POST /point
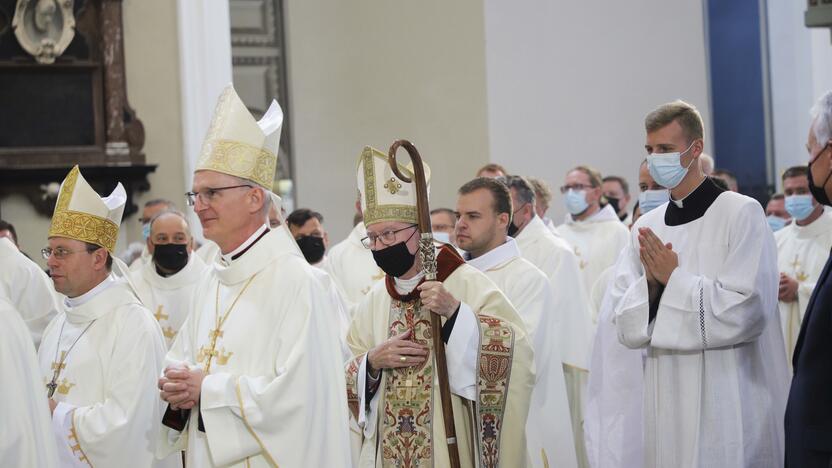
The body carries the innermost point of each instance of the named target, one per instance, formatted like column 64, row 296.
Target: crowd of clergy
column 684, row 325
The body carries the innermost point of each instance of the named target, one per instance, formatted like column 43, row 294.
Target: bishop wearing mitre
column 101, row 355
column 392, row 381
column 255, row 375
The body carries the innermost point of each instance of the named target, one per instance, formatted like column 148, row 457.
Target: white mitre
column 82, row 215
column 239, row 145
column 385, row 197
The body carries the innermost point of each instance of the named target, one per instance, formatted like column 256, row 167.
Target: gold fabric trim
column 374, row 212
column 240, row 160
column 263, row 450
column 73, row 434
column 84, row 227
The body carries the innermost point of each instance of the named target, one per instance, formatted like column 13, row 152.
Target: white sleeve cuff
column 62, row 429
column 461, row 353
column 367, row 416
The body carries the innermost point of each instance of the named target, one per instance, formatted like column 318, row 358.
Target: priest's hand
column 437, row 299
column 659, row 259
column 398, row 351
column 181, row 387
column 788, row 288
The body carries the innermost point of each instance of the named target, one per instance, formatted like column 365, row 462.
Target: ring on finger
column 403, row 359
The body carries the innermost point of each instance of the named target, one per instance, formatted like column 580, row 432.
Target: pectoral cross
column 57, row 367
column 160, row 315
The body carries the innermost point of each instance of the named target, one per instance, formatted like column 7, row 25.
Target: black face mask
column 394, row 260
column 171, row 257
column 613, row 202
column 512, row 229
column 819, row 192
column 312, row 247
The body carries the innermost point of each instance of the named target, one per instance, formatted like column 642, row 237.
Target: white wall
column 569, row 83
column 367, row 72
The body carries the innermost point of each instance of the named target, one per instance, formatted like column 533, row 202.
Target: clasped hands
column 659, row 259
column 180, row 386
column 401, row 350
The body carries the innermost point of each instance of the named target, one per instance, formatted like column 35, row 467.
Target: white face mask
column 666, row 168
column 650, row 199
column 443, row 237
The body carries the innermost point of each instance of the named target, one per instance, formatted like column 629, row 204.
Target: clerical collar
column 495, row 256
column 87, row 296
column 239, row 251
column 406, row 286
column 694, row 205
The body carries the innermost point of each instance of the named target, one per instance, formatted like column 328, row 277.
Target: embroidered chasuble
column 108, row 405
column 549, row 428
column 168, row 297
column 715, row 375
column 273, row 393
column 28, row 288
column 352, row 267
column 571, row 312
column 25, row 431
column 490, row 368
column 801, row 253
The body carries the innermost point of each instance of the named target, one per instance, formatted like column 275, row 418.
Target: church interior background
column 127, row 87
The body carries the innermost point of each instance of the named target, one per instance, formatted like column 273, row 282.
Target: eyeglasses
column 387, row 237
column 575, row 187
column 61, row 253
column 206, row 196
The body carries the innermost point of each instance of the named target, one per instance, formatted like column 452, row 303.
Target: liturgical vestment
column 549, row 427
column 801, row 253
column 490, row 363
column 25, row 434
column 108, row 350
column 715, row 377
column 261, row 328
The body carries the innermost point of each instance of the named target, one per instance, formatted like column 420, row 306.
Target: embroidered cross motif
column 160, row 315
column 59, row 365
column 393, row 186
column 169, row 332
column 65, row 386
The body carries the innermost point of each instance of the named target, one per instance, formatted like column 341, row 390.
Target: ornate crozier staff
column 427, row 253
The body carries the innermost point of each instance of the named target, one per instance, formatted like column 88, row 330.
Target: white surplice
column 108, row 409
column 28, row 288
column 554, row 256
column 352, row 266
column 143, row 259
column 168, row 297
column 716, row 377
column 26, row 438
column 549, row 432
column 801, row 253
column 274, row 394
column 597, row 241
column 614, row 414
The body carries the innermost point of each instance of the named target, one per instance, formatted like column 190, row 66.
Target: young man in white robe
column 698, row 291
column 166, row 285
column 555, row 258
column 613, row 424
column 392, row 380
column 254, row 377
column 101, row 356
column 25, row 429
column 484, row 211
column 802, row 249
column 352, row 266
column 595, row 232
column 28, row 288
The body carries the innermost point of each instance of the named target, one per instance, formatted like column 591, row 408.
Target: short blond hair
column 594, row 176
column 679, row 111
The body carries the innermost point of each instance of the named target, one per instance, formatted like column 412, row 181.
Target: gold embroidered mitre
column 239, row 145
column 82, row 215
column 385, row 197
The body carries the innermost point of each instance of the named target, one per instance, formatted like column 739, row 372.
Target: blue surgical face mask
column 443, row 237
column 576, row 201
column 666, row 168
column 651, row 199
column 799, row 206
column 776, row 223
column 145, row 231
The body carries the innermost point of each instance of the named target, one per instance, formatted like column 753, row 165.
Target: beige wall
column 150, row 38
column 366, row 72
